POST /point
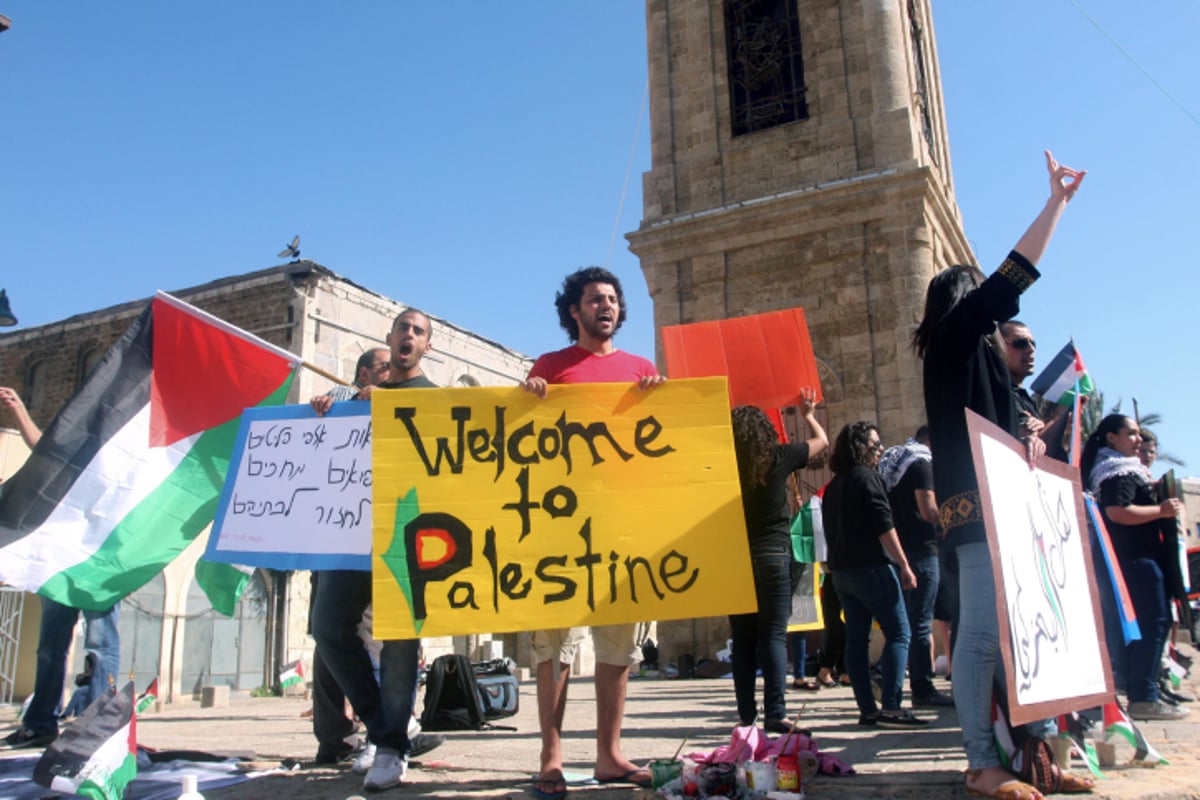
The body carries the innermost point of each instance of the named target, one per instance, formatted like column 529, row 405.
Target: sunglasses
column 877, row 447
column 1023, row 343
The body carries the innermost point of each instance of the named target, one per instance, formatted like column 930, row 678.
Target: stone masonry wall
column 846, row 214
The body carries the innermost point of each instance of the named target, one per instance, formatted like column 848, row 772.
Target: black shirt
column 856, row 512
column 1131, row 541
column 765, row 506
column 1024, row 402
column 963, row 371
column 917, row 537
column 418, row 382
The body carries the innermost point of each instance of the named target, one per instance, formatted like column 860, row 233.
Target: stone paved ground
column 925, row 764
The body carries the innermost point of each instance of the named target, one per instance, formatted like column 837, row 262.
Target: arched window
column 35, row 387
column 766, row 71
column 88, row 359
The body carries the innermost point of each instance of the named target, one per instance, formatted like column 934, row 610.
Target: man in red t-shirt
column 591, row 307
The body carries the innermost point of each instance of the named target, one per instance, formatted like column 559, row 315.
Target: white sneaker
column 388, row 770
column 365, row 759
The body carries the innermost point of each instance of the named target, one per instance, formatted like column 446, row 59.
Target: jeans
column 799, row 646
column 977, row 663
column 331, row 726
column 866, row 593
column 760, row 639
column 919, row 603
column 833, row 636
column 946, row 605
column 1147, row 590
column 384, row 706
column 54, row 639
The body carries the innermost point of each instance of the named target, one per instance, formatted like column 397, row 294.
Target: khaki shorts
column 615, row 644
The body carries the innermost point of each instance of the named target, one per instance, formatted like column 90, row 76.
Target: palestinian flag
column 1070, row 726
column 223, row 584
column 292, row 674
column 1116, row 721
column 129, row 472
column 1057, row 382
column 1006, row 749
column 808, row 533
column 96, row 756
column 1120, row 592
column 147, row 698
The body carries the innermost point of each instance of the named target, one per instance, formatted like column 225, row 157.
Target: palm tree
column 1093, row 412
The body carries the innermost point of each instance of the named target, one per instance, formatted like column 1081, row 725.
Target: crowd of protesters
column 904, row 528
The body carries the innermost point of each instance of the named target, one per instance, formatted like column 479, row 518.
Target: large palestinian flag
column 96, row 756
column 130, row 470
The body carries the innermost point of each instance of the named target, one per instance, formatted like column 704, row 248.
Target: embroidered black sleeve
column 1019, row 272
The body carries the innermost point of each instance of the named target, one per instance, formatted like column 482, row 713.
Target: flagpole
column 1076, row 425
column 233, row 330
column 324, row 374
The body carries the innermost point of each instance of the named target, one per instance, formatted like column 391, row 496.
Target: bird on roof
column 292, row 250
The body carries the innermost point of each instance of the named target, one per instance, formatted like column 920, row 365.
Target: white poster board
column 298, row 491
column 1051, row 634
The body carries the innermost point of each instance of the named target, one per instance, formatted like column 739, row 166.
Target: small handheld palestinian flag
column 1006, row 749
column 1116, row 721
column 1070, row 726
column 292, row 674
column 1058, row 381
column 147, row 698
column 96, row 756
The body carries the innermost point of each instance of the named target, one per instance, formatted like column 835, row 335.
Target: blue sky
column 463, row 157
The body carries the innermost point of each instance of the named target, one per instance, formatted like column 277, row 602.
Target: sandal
column 1074, row 784
column 551, row 787
column 1009, row 790
column 807, row 684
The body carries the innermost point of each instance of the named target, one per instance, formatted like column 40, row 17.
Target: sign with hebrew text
column 298, row 491
column 498, row 511
column 1051, row 634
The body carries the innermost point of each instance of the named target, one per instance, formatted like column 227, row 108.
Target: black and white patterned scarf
column 895, row 461
column 1110, row 464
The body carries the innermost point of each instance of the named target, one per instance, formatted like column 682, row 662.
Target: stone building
column 168, row 628
column 799, row 158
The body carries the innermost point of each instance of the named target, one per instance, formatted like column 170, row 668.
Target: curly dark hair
column 572, row 293
column 852, row 447
column 945, row 291
column 754, row 440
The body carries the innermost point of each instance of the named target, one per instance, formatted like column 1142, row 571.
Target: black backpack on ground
column 454, row 698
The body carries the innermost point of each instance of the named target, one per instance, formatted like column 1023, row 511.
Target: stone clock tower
column 799, row 158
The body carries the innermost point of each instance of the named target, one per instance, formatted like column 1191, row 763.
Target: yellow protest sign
column 497, row 511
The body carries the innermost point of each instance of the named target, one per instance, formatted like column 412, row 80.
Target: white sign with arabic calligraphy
column 1054, row 651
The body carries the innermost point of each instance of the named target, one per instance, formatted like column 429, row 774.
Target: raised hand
column 1064, row 181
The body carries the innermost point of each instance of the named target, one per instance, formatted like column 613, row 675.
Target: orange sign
column 768, row 358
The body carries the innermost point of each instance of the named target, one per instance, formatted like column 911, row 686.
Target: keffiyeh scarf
column 1110, row 464
column 895, row 461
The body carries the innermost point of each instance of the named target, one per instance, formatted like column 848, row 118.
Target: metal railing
column 12, row 603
